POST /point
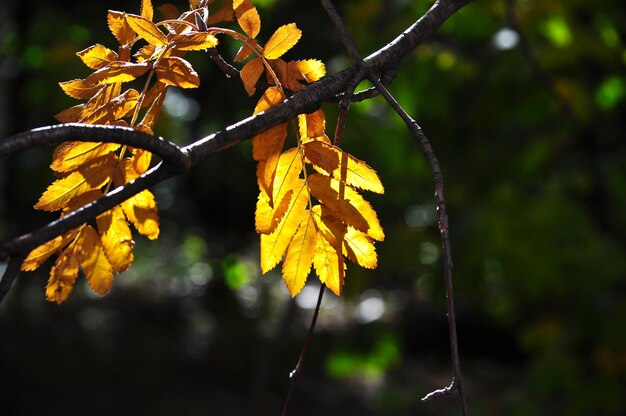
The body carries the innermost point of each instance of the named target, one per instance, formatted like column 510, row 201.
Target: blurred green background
column 524, row 102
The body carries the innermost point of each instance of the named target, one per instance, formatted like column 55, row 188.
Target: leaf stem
column 296, row 371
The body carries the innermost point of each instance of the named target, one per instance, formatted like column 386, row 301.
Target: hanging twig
column 296, row 371
column 416, row 130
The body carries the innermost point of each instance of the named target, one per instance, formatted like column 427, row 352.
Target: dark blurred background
column 524, row 102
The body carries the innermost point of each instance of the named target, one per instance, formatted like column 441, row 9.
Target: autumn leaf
column 194, row 41
column 269, row 143
column 247, row 17
column 360, row 249
column 330, row 266
column 146, row 30
column 97, row 56
column 141, row 211
column 113, row 109
column 299, row 255
column 271, row 98
column 70, row 156
column 90, row 176
column 120, row 28
column 287, row 173
column 177, row 72
column 80, row 89
column 40, row 254
column 70, row 115
column 267, row 217
column 281, row 41
column 93, row 261
column 274, row 245
column 147, row 11
column 116, row 237
column 118, row 71
column 250, row 74
column 63, row 275
column 311, row 69
column 327, row 158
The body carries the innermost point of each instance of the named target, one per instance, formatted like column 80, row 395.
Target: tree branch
column 429, row 154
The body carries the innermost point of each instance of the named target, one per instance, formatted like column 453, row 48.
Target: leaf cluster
column 309, row 209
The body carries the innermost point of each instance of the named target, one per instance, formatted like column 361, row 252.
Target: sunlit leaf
column 118, row 71
column 93, row 261
column 299, row 255
column 269, row 143
column 70, row 115
column 330, row 266
column 97, row 56
column 116, row 237
column 40, row 254
column 141, row 211
column 271, row 98
column 90, row 176
column 360, row 248
column 247, row 17
column 250, row 74
column 311, row 69
column 328, row 159
column 147, row 10
column 63, row 275
column 287, row 173
column 194, row 41
column 274, row 245
column 283, row 39
column 114, row 109
column 69, row 156
column 146, row 30
column 267, row 217
column 120, row 27
column 177, row 72
column 80, row 89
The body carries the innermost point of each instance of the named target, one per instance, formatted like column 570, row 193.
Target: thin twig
column 296, row 371
column 229, row 70
column 9, row 275
column 416, row 130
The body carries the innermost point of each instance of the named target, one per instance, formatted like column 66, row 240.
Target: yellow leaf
column 305, row 132
column 327, row 158
column 269, row 143
column 311, row 69
column 113, row 109
column 120, row 28
column 326, row 190
column 140, row 161
column 81, row 200
column 247, row 17
column 141, row 211
column 315, row 124
column 70, row 115
column 40, row 254
column 71, row 155
column 97, row 56
column 271, row 98
column 360, row 248
column 116, row 237
column 281, row 41
column 343, row 209
column 273, row 245
column 147, row 10
column 118, row 71
column 177, row 72
column 246, row 50
column 329, row 266
column 90, row 176
column 329, row 226
column 299, row 255
column 194, row 41
column 149, row 118
column 80, row 89
column 146, row 30
column 250, row 74
column 266, row 217
column 287, row 173
column 63, row 275
column 93, row 261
